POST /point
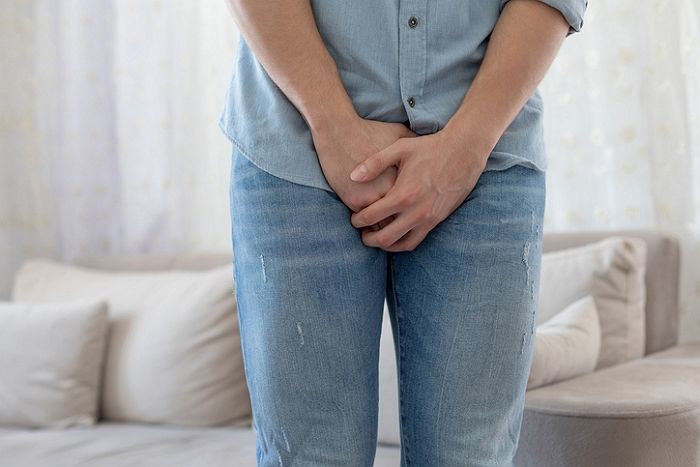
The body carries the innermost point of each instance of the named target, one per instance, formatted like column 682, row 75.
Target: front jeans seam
column 402, row 429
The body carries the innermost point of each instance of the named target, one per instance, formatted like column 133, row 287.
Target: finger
column 391, row 233
column 384, row 222
column 381, row 224
column 411, row 240
column 375, row 212
column 377, row 163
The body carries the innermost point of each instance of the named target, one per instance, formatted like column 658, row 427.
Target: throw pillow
column 612, row 271
column 174, row 355
column 567, row 345
column 51, row 357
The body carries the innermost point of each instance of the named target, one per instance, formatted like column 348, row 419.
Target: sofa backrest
column 662, row 273
column 157, row 262
column 662, row 277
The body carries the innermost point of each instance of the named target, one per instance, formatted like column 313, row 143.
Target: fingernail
column 359, row 173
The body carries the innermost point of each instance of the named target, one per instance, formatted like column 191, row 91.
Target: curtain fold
column 109, row 139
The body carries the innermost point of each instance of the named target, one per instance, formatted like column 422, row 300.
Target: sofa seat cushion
column 116, row 444
column 645, row 412
column 111, row 444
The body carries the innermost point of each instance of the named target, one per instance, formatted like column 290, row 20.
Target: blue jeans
column 311, row 297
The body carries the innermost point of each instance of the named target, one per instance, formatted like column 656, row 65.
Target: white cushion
column 174, row 353
column 51, row 357
column 612, row 271
column 567, row 345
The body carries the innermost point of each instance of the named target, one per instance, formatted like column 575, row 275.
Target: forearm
column 284, row 37
column 523, row 44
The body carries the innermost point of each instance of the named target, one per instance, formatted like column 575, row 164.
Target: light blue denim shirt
column 400, row 61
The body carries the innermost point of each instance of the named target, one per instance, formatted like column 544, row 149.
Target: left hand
column 436, row 173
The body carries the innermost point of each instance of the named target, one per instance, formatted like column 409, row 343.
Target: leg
column 463, row 307
column 310, row 300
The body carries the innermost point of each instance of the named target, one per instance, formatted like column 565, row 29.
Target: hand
column 436, row 173
column 344, row 145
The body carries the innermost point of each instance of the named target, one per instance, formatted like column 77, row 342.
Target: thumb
column 375, row 164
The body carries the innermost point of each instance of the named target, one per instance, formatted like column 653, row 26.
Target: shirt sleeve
column 572, row 10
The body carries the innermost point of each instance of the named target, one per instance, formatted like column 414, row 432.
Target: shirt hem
column 294, row 178
column 510, row 161
column 513, row 159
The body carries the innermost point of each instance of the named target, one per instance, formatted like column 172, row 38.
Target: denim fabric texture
column 390, row 54
column 311, row 298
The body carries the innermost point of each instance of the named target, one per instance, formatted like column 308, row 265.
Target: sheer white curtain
column 109, row 115
column 622, row 126
column 109, row 142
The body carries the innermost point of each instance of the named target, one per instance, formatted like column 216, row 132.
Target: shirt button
column 412, row 21
column 411, row 101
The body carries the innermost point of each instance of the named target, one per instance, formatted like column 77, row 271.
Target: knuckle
column 355, row 202
column 366, row 198
column 407, row 198
column 412, row 243
column 383, row 241
column 363, row 220
column 402, row 246
column 354, row 205
column 424, row 215
column 432, row 219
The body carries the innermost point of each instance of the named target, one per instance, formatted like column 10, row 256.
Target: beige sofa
column 644, row 413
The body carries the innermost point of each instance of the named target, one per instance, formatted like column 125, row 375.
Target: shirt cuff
column 572, row 10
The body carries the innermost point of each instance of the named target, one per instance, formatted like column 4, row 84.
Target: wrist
column 328, row 110
column 466, row 132
column 327, row 120
column 331, row 129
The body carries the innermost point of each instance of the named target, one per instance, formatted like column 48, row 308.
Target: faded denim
column 310, row 300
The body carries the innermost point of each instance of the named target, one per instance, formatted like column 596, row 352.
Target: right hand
column 343, row 146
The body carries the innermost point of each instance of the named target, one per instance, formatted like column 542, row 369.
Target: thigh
column 310, row 299
column 463, row 307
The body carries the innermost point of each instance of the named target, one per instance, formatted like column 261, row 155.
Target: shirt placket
column 413, row 26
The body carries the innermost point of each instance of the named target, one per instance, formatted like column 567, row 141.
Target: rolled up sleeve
column 572, row 10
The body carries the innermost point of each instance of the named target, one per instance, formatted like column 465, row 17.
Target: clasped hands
column 399, row 185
